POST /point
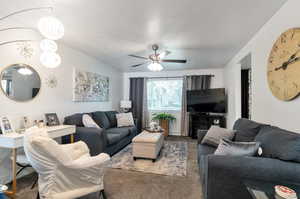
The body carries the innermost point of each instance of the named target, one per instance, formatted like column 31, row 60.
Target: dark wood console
column 203, row 121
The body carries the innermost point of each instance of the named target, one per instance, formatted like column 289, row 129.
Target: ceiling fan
column 154, row 60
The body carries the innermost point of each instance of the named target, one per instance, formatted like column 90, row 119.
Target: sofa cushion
column 279, row 143
column 215, row 134
column 111, row 115
column 88, row 121
column 121, row 132
column 101, row 119
column 227, row 147
column 246, row 130
column 75, row 119
column 132, row 129
column 113, row 138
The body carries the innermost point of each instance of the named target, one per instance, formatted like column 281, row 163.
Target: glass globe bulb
column 50, row 59
column 51, row 28
column 155, row 67
column 25, row 71
column 48, row 45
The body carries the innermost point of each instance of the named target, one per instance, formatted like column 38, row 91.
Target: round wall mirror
column 20, row 82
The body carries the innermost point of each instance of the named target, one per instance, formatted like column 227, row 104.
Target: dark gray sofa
column 224, row 176
column 110, row 139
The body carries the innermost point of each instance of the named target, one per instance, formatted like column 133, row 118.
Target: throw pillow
column 227, row 147
column 215, row 134
column 89, row 122
column 111, row 115
column 279, row 143
column 101, row 119
column 246, row 130
column 125, row 119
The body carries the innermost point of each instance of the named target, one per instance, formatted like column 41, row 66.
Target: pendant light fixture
column 48, row 45
column 51, row 28
column 50, row 59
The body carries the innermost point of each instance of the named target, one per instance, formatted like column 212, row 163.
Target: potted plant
column 164, row 120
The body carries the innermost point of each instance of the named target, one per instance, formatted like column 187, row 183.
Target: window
column 164, row 94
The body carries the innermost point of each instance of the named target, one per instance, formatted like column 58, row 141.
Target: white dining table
column 13, row 141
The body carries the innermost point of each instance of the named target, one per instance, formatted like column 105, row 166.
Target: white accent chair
column 65, row 171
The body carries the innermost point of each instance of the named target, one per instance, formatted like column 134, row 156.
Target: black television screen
column 206, row 101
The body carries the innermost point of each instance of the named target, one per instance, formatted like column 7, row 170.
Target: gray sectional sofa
column 224, row 176
column 110, row 139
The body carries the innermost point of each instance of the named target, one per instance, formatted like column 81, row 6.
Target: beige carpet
column 124, row 184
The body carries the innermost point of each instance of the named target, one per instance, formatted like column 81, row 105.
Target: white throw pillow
column 89, row 122
column 215, row 134
column 125, row 119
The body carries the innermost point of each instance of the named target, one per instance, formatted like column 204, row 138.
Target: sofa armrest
column 135, row 121
column 200, row 135
column 95, row 139
column 256, row 168
column 228, row 174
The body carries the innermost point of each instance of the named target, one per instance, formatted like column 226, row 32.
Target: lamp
column 125, row 105
column 155, row 66
column 50, row 59
column 48, row 45
column 51, row 28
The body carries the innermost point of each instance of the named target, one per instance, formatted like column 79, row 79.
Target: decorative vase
column 165, row 125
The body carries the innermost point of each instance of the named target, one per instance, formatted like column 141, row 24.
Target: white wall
column 265, row 107
column 217, row 82
column 59, row 99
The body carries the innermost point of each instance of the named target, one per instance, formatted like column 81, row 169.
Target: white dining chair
column 65, row 171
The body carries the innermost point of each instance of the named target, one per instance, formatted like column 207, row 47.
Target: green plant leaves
column 163, row 116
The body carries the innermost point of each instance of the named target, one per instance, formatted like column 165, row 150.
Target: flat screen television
column 206, row 101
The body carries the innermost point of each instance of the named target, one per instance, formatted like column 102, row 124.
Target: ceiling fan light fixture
column 155, row 67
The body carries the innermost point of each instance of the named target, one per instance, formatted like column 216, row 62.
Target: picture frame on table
column 6, row 125
column 27, row 123
column 52, row 119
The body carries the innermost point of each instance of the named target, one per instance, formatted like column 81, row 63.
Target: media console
column 203, row 121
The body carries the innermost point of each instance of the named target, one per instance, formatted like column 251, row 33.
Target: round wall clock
column 284, row 66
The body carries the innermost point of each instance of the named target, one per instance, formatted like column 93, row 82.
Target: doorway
column 246, row 85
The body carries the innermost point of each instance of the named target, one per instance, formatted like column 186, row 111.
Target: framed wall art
column 90, row 87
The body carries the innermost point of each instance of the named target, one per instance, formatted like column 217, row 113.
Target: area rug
column 172, row 160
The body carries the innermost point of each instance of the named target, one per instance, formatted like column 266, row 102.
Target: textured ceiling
column 208, row 33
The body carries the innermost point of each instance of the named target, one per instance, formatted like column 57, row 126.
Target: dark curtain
column 245, row 92
column 137, row 98
column 196, row 82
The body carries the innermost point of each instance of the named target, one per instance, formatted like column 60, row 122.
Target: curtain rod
column 172, row 76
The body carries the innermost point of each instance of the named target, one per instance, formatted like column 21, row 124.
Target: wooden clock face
column 284, row 66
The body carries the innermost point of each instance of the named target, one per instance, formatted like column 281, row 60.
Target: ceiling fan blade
column 163, row 54
column 140, row 57
column 174, row 60
column 136, row 65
